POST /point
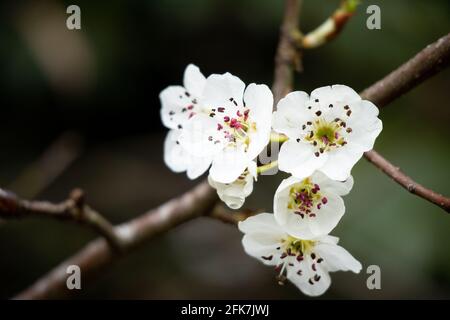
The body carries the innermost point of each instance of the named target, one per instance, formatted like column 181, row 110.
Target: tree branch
column 406, row 182
column 98, row 254
column 74, row 209
column 422, row 66
column 288, row 57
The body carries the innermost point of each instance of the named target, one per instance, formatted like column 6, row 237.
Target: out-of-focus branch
column 406, row 182
column 288, row 57
column 422, row 66
column 329, row 29
column 49, row 166
column 98, row 254
column 74, row 209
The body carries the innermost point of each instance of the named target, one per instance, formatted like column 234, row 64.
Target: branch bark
column 406, row 182
column 73, row 209
column 98, row 254
column 288, row 57
column 422, row 66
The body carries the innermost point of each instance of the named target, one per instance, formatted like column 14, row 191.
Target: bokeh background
column 81, row 109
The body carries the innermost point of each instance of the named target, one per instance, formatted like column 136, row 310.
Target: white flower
column 234, row 194
column 178, row 103
column 310, row 207
column 178, row 160
column 306, row 263
column 328, row 131
column 236, row 128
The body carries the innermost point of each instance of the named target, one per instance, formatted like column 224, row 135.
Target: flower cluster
column 218, row 124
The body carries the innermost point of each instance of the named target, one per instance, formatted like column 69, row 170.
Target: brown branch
column 422, row 66
column 73, row 209
column 406, row 182
column 288, row 57
column 97, row 254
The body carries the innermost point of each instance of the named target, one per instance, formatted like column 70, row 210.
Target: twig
column 329, row 29
column 74, row 209
column 288, row 57
column 422, row 66
column 97, row 254
column 406, row 182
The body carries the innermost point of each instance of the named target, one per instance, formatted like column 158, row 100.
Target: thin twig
column 73, row 209
column 406, row 182
column 288, row 57
column 331, row 28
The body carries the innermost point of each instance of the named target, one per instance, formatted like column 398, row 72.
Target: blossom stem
column 331, row 27
column 276, row 137
column 267, row 167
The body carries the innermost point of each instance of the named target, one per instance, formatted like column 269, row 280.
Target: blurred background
column 81, row 109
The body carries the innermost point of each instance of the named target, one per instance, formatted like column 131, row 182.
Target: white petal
column 340, row 163
column 228, row 165
column 253, row 169
column 341, row 188
column 302, row 281
column 174, row 153
column 262, row 237
column 173, row 101
column 281, row 199
column 337, row 258
column 221, row 90
column 196, row 165
column 291, row 114
column 194, row 81
column 200, row 136
column 335, row 94
column 264, row 252
column 259, row 100
column 262, row 224
column 299, row 159
column 365, row 124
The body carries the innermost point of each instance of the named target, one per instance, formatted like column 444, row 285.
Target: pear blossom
column 306, row 263
column 328, row 131
column 178, row 105
column 310, row 207
column 234, row 194
column 234, row 129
